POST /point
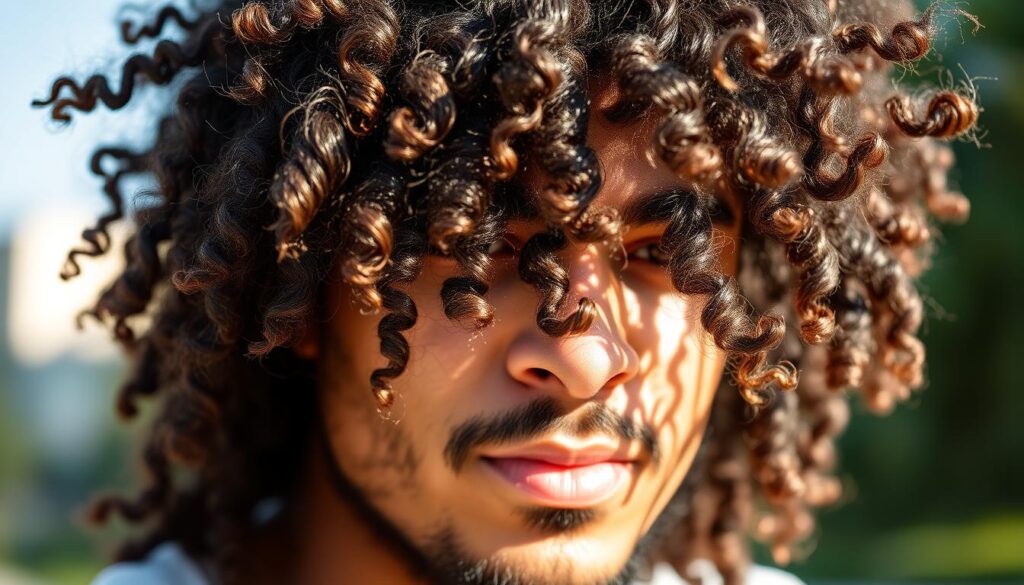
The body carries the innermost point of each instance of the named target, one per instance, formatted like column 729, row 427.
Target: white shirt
column 167, row 564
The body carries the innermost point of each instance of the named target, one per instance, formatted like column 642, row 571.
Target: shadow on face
column 513, row 450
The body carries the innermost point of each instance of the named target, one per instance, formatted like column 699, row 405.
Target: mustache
column 543, row 416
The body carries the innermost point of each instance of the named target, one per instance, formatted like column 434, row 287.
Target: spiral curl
column 561, row 150
column 539, row 267
column 417, row 128
column 524, row 83
column 827, row 414
column 317, row 165
column 167, row 60
column 899, row 308
column 760, row 158
column 948, row 115
column 694, row 271
column 463, row 224
column 374, row 37
column 681, row 139
column 830, row 75
column 401, row 315
column 464, row 297
column 907, row 41
column 377, row 207
column 260, row 29
column 97, row 237
column 853, row 346
column 132, row 33
column 869, row 152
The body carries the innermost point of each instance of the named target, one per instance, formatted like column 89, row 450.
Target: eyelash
column 655, row 255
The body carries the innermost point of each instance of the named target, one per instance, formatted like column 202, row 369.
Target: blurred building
column 56, row 382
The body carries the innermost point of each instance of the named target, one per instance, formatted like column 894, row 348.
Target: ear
column 307, row 346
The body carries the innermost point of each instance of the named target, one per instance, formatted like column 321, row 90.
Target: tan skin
column 645, row 357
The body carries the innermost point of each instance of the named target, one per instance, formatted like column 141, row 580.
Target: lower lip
column 577, row 486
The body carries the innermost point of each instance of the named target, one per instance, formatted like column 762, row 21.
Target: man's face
column 516, row 452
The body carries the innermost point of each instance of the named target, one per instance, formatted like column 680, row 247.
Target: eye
column 650, row 252
column 502, row 248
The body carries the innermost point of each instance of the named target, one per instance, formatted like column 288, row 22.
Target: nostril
column 539, row 373
column 617, row 379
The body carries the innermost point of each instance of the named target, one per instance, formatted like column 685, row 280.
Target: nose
column 582, row 365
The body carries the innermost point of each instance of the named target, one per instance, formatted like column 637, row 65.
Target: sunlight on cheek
column 632, row 300
column 438, row 344
column 676, row 326
column 683, row 381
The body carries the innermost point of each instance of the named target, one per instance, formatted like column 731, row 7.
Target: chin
column 559, row 521
column 568, row 548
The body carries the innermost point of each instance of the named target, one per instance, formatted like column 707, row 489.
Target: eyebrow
column 653, row 207
column 659, row 206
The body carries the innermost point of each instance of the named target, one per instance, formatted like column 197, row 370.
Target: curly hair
column 313, row 140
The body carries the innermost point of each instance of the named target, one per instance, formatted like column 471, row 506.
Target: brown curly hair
column 322, row 139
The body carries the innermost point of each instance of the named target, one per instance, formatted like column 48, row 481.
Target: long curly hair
column 317, row 140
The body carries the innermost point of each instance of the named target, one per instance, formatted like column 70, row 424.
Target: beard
column 453, row 565
column 445, row 560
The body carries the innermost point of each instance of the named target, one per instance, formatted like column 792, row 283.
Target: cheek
column 374, row 452
column 382, row 455
column 680, row 368
column 679, row 364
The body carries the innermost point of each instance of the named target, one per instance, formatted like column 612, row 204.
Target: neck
column 327, row 535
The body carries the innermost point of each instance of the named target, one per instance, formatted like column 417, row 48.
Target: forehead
column 629, row 167
column 628, row 164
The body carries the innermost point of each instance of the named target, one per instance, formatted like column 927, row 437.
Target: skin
column 645, row 358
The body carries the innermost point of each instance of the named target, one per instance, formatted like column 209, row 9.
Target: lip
column 563, row 454
column 555, row 475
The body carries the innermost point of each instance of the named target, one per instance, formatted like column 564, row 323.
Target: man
column 447, row 293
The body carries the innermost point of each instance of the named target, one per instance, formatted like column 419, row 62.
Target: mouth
column 562, row 478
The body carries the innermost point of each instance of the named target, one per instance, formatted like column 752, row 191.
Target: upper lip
column 565, row 455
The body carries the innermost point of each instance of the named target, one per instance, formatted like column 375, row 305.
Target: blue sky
column 41, row 164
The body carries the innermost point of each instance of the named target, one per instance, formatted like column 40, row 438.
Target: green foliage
column 937, row 485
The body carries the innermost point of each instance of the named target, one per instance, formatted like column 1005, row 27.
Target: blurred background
column 935, row 491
